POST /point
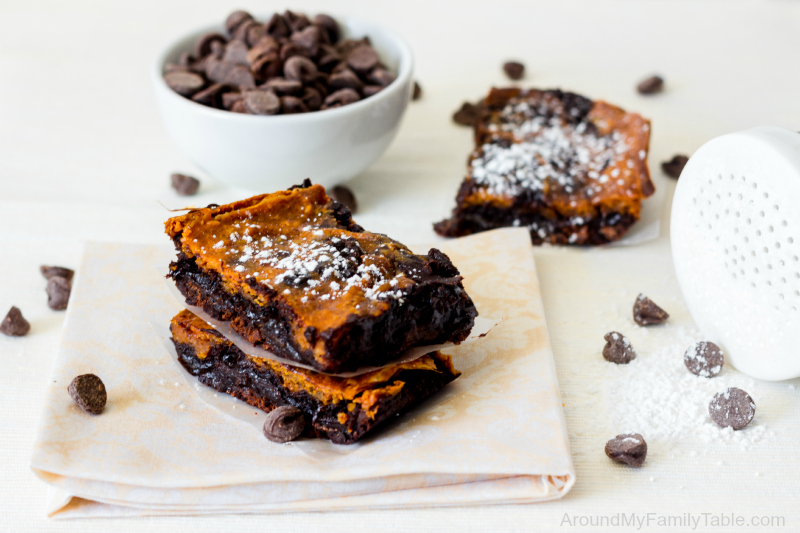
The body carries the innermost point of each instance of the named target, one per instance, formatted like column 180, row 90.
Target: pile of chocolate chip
column 289, row 64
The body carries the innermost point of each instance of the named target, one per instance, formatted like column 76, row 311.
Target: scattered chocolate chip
column 235, row 19
column 732, row 408
column 203, row 45
column 618, row 348
column 50, row 271
column 345, row 196
column 89, row 393
column 260, row 102
column 300, row 68
column 284, row 423
column 674, row 166
column 183, row 82
column 184, row 185
column 363, row 58
column 417, row 92
column 628, row 448
column 330, row 26
column 704, row 359
column 514, row 70
column 292, row 104
column 58, row 290
column 14, row 324
column 646, row 312
column 340, row 98
column 468, row 114
column 651, row 85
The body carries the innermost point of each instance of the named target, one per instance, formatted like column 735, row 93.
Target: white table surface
column 83, row 156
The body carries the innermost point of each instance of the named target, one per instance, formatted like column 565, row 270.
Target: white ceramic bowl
column 268, row 153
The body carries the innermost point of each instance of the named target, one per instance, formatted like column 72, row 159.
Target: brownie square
column 339, row 409
column 571, row 170
column 293, row 273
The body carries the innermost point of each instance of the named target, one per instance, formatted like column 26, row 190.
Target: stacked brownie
column 291, row 272
column 571, row 170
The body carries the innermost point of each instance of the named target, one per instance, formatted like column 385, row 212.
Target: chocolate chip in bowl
column 284, row 95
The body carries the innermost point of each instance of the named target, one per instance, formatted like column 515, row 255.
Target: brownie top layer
column 187, row 328
column 302, row 249
column 560, row 147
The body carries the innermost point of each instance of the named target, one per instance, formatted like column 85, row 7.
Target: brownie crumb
column 417, row 94
column 514, row 70
column 284, row 423
column 89, row 393
column 646, row 312
column 185, row 185
column 732, row 408
column 58, row 290
column 618, row 348
column 704, row 359
column 14, row 324
column 468, row 114
column 628, row 448
column 651, row 85
column 51, row 271
column 674, row 166
column 344, row 195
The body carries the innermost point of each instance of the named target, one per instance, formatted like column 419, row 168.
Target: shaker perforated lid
column 735, row 235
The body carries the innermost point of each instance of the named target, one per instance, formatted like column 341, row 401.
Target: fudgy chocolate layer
column 435, row 310
column 227, row 369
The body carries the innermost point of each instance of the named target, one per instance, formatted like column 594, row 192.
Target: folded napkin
column 494, row 435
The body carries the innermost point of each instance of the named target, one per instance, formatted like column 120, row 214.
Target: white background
column 83, row 156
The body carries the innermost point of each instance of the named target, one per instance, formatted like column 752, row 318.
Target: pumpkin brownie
column 339, row 409
column 571, row 170
column 293, row 273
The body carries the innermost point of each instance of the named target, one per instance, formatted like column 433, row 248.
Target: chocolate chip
column 468, row 114
column 371, row 90
column 340, row 98
column 363, row 58
column 277, row 27
column 296, row 21
column 618, row 348
column 674, row 166
column 283, row 87
column 646, row 312
column 704, row 359
column 230, row 99
column 514, row 70
column 311, row 98
column 14, row 324
column 266, row 45
column 239, row 107
column 235, row 19
column 255, row 33
column 241, row 76
column 417, row 94
column 203, row 45
column 284, row 423
column 628, row 448
column 267, row 66
column 651, row 85
column 345, row 79
column 50, row 271
column 210, row 96
column 236, row 52
column 382, row 77
column 217, row 50
column 243, row 29
column 184, row 185
column 732, row 408
column 300, row 68
column 330, row 26
column 217, row 70
column 184, row 82
column 328, row 61
column 260, row 102
column 345, row 196
column 185, row 59
column 58, row 290
column 308, row 39
column 89, row 393
column 292, row 104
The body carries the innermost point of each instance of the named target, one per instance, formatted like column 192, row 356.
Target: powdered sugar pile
column 656, row 395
